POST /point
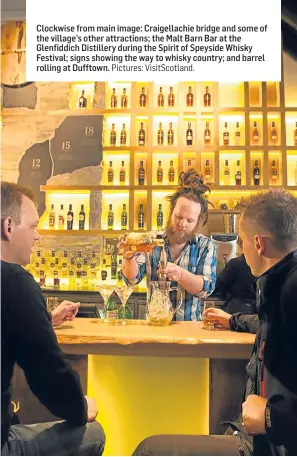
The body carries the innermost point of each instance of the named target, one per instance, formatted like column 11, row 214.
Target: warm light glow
column 256, row 116
column 206, row 116
column 273, row 116
column 166, row 118
column 231, row 118
column 141, row 117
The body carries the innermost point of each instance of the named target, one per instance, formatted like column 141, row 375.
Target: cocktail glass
column 124, row 291
column 105, row 290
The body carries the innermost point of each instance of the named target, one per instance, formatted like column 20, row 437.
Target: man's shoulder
column 203, row 241
column 11, row 269
column 12, row 273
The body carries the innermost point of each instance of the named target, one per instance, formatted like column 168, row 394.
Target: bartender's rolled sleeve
column 208, row 263
column 140, row 260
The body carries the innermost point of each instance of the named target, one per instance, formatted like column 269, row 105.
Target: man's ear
column 259, row 244
column 6, row 228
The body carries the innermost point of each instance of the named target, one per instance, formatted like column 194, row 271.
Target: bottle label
column 110, row 220
column 51, row 221
column 207, row 137
column 81, row 217
column 171, row 176
column 69, row 218
column 257, row 176
column 122, row 176
column 112, row 315
column 124, row 221
column 274, row 136
column 160, row 220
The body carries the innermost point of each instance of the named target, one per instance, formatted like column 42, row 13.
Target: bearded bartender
column 191, row 256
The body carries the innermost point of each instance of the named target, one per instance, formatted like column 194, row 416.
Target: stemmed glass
column 106, row 290
column 124, row 291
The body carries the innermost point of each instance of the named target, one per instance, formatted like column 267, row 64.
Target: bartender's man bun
column 192, row 188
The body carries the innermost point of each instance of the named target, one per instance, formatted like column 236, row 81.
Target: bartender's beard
column 177, row 237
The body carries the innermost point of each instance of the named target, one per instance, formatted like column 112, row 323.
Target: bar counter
column 150, row 380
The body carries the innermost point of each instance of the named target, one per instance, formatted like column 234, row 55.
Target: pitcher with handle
column 159, row 307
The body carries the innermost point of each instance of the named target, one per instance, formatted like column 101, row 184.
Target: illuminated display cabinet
column 240, row 136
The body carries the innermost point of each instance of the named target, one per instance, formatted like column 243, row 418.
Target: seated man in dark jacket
column 28, row 339
column 234, row 285
column 268, row 422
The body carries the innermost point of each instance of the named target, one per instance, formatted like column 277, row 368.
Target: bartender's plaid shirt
column 198, row 257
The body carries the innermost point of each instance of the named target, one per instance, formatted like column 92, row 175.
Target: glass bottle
column 171, row 98
column 161, row 98
column 110, row 218
column 207, row 97
column 141, row 174
column 171, row 172
column 170, row 135
column 160, row 135
column 124, row 218
column 160, row 217
column 113, row 135
column 142, row 98
column 189, row 135
column 160, row 172
column 141, row 135
column 190, row 98
column 110, row 173
column 123, row 135
column 141, row 218
column 70, row 218
column 124, row 99
column 114, row 99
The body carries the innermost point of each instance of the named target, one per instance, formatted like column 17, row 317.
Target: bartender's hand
column 92, row 408
column 66, row 311
column 123, row 248
column 253, row 415
column 172, row 271
column 219, row 316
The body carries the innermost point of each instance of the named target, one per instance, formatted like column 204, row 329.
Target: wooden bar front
column 148, row 380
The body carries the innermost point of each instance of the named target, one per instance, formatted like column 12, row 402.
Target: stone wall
column 22, row 127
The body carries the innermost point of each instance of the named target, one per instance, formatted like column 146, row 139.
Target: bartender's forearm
column 130, row 268
column 192, row 283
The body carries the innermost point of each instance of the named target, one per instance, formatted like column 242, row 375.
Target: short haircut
column 11, row 200
column 275, row 211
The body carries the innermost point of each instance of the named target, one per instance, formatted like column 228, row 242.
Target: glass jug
column 159, row 307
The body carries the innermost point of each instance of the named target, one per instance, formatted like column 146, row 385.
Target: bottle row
column 232, row 169
column 74, row 271
column 231, row 133
column 66, row 220
column 188, row 95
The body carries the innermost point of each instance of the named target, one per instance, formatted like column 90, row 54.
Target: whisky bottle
column 190, row 97
column 171, row 172
column 207, row 134
column 142, row 98
column 56, row 275
column 104, row 271
column 160, row 135
column 72, row 273
column 114, row 266
column 61, row 218
column 171, row 98
column 207, row 97
column 226, row 135
column 273, row 133
column 141, row 218
column 161, row 98
column 82, row 102
column 189, row 135
column 70, row 218
column 295, row 135
column 141, row 135
column 226, row 174
column 160, row 172
column 122, row 173
column 238, row 174
column 256, row 173
column 255, row 133
column 113, row 135
column 141, row 174
column 274, row 173
column 52, row 218
column 124, row 218
column 189, row 164
column 170, row 135
column 114, row 99
column 120, row 274
column 85, row 274
column 110, row 173
column 110, row 218
column 124, row 99
column 93, row 270
column 123, row 135
column 64, row 269
column 237, row 135
column 160, row 217
column 82, row 218
column 207, row 172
